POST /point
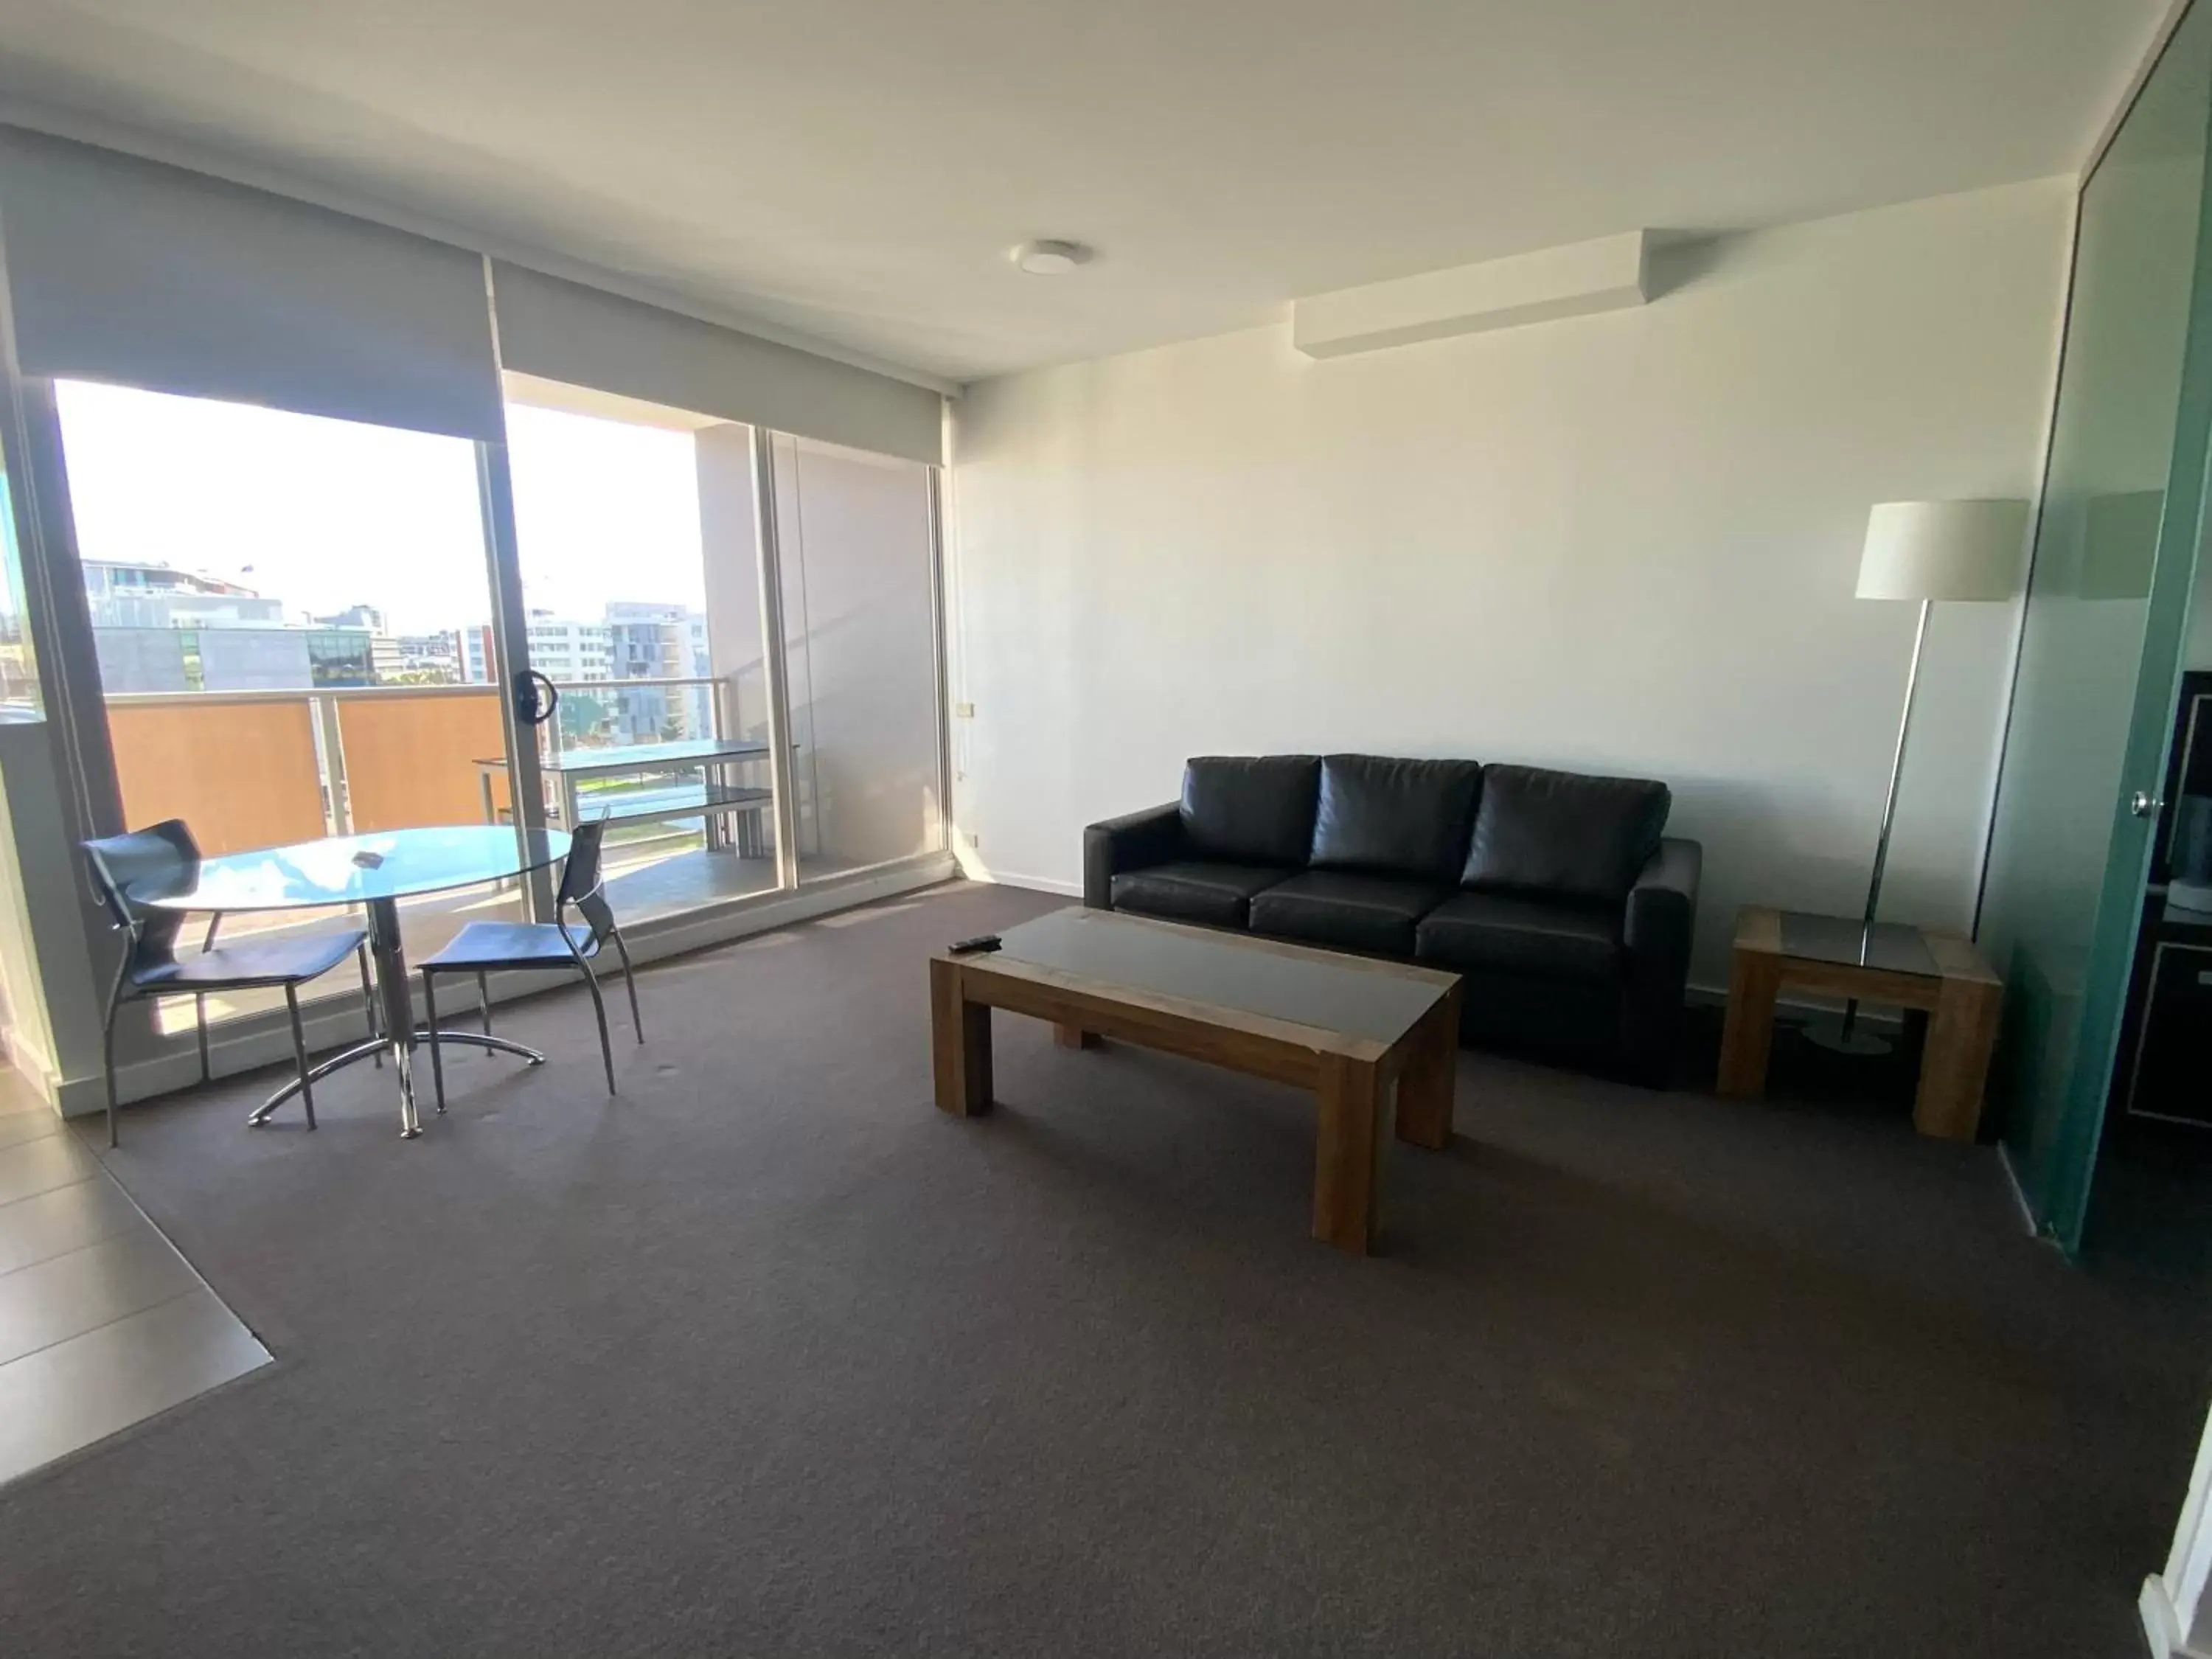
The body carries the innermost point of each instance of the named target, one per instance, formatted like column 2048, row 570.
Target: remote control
column 968, row 947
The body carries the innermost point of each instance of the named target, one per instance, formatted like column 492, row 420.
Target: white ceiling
column 857, row 169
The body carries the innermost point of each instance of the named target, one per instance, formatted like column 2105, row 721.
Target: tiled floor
column 102, row 1324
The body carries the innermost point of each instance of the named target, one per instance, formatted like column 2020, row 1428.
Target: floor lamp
column 1926, row 550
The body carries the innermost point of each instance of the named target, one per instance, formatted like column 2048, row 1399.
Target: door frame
column 508, row 662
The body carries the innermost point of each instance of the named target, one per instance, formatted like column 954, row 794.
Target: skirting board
column 33, row 1065
column 248, row 1043
column 2026, row 1210
column 1032, row 884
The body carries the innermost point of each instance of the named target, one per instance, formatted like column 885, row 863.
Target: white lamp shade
column 1944, row 551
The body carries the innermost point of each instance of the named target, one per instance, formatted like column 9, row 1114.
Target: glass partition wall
column 2116, row 551
column 299, row 548
column 291, row 622
column 291, row 617
column 279, row 604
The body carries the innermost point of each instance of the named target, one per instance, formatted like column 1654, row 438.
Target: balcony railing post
column 330, row 751
column 782, row 774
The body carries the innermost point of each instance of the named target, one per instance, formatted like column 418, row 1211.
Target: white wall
column 1625, row 543
column 729, row 543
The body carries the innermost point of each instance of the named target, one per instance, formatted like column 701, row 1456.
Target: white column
column 730, row 542
column 2175, row 1619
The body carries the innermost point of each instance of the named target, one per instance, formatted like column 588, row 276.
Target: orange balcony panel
column 412, row 761
column 242, row 775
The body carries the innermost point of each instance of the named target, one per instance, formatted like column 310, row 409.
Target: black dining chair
column 165, row 859
column 483, row 946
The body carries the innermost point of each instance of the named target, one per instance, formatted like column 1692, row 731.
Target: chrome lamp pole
column 1889, row 806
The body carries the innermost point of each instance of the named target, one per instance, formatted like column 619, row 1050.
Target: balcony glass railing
column 256, row 768
column 259, row 769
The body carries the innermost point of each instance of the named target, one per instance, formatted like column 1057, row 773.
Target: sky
column 323, row 514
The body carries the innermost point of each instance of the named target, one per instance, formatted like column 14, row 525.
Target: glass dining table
column 375, row 871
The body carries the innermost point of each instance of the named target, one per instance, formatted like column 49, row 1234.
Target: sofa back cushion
column 1245, row 809
column 1403, row 817
column 1563, row 834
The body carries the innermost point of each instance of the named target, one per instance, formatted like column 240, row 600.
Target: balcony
column 259, row 769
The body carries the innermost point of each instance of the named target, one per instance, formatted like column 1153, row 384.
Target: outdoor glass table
column 375, row 871
column 712, row 797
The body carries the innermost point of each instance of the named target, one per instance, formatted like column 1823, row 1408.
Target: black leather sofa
column 1556, row 895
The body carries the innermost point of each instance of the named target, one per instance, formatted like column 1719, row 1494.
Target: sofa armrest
column 1663, row 904
column 1129, row 843
column 1662, row 913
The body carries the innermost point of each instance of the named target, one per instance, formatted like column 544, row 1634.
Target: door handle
column 2144, row 805
column 530, row 706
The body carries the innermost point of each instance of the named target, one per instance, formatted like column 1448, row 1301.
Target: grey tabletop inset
column 1891, row 947
column 1354, row 999
column 390, row 864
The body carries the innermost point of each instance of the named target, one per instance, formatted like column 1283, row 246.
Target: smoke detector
column 1051, row 258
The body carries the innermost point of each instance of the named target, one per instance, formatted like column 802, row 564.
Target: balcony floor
column 649, row 881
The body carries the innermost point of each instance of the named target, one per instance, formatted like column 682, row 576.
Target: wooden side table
column 1963, row 996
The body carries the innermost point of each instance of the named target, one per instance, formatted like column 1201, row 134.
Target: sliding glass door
column 298, row 542
column 293, row 618
column 857, row 556
column 638, row 554
column 641, row 571
column 284, row 608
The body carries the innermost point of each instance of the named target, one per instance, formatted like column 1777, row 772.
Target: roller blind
column 129, row 270
column 563, row 331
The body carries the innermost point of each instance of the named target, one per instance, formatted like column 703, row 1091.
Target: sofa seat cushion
column 1250, row 809
column 1563, row 835
column 1217, row 894
column 1347, row 912
column 1542, row 939
column 1395, row 818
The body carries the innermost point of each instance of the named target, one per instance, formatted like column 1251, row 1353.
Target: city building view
column 160, row 628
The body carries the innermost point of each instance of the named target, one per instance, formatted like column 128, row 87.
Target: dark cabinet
column 2168, row 1079
column 2166, row 1034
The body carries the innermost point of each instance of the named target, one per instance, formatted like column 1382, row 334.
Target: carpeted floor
column 767, row 1357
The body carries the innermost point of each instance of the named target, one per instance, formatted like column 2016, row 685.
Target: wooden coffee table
column 1950, row 981
column 1375, row 1040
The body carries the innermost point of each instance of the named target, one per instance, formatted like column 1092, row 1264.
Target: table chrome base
column 1829, row 1031
column 403, row 1056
